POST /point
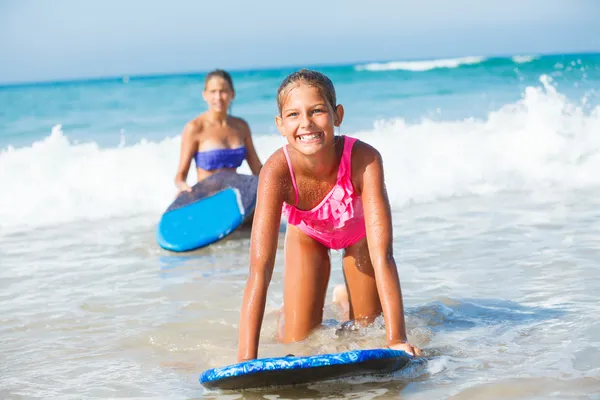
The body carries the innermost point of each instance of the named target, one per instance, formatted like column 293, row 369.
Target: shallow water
column 491, row 167
column 501, row 292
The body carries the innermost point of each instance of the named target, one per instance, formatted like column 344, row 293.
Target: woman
column 216, row 140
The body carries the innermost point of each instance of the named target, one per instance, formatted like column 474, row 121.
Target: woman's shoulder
column 195, row 126
column 239, row 123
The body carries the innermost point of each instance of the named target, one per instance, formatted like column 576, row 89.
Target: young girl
column 216, row 140
column 331, row 188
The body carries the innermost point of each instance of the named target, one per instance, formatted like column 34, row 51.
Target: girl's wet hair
column 219, row 73
column 309, row 77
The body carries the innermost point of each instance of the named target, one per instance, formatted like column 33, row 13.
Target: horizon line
column 258, row 68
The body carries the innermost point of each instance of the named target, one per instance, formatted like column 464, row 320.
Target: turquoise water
column 124, row 133
column 492, row 172
column 153, row 108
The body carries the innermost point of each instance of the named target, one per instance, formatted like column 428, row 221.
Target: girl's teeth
column 309, row 137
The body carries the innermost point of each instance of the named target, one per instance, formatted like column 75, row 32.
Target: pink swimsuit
column 338, row 220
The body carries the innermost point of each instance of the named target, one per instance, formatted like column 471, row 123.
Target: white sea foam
column 523, row 59
column 424, row 65
column 542, row 142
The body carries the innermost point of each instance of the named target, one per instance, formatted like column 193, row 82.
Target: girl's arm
column 263, row 247
column 378, row 221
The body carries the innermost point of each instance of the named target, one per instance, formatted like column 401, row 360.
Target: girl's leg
column 363, row 300
column 306, row 276
column 340, row 298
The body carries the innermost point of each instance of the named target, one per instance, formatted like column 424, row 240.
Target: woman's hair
column 312, row 78
column 219, row 73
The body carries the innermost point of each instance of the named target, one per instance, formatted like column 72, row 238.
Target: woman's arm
column 189, row 146
column 263, row 247
column 378, row 221
column 251, row 155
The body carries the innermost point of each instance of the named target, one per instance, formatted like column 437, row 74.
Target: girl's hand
column 408, row 348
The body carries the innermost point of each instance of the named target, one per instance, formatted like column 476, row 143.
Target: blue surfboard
column 214, row 208
column 290, row 370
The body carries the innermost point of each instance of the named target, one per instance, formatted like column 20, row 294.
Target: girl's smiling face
column 307, row 120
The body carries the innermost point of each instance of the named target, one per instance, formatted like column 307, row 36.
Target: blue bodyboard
column 214, row 208
column 290, row 370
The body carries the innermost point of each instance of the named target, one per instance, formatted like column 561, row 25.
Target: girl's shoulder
column 364, row 156
column 275, row 176
column 276, row 165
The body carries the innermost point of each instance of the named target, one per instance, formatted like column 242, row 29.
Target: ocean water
column 492, row 168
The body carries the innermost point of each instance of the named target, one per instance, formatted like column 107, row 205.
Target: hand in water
column 410, row 349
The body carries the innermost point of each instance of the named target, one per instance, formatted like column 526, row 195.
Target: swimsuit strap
column 287, row 157
column 347, row 154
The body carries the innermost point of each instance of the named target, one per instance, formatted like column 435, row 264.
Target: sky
column 42, row 40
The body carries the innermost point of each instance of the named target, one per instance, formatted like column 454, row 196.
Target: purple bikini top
column 220, row 158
